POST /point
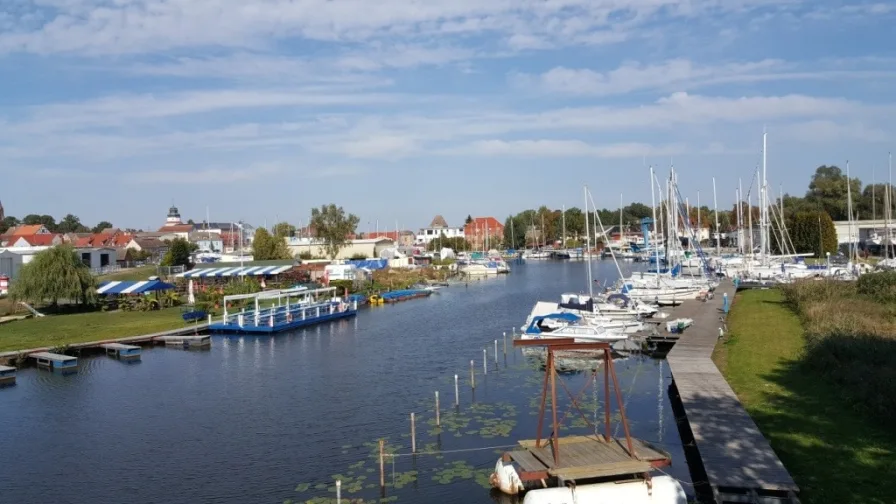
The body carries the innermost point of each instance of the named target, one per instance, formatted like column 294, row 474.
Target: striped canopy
column 115, row 287
column 231, row 271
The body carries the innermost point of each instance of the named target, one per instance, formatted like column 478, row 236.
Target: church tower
column 2, row 213
column 173, row 217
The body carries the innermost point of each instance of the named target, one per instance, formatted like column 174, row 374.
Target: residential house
column 402, row 238
column 207, row 241
column 155, row 247
column 437, row 228
column 484, row 233
column 18, row 231
column 98, row 258
column 38, row 240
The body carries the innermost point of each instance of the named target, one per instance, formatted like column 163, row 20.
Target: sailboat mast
column 750, row 221
column 763, row 203
column 699, row 229
column 715, row 211
column 889, row 199
column 588, row 246
column 849, row 207
column 656, row 246
column 563, row 219
column 740, row 216
column 620, row 221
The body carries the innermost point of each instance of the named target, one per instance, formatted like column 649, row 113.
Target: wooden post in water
column 484, row 361
column 472, row 375
column 382, row 464
column 338, row 491
column 504, row 337
column 413, row 434
column 496, row 352
column 438, row 419
column 456, row 392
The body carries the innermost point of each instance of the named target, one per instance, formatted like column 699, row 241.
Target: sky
column 399, row 110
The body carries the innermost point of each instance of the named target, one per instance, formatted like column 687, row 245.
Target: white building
column 371, row 248
column 97, row 258
column 863, row 230
column 10, row 264
column 437, row 228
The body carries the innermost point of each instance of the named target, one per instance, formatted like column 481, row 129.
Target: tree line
column 68, row 224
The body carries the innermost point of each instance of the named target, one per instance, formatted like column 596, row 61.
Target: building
column 437, row 228
column 10, row 264
column 207, row 241
column 155, row 247
column 174, row 226
column 369, row 248
column 38, row 240
column 402, row 238
column 484, row 233
column 98, row 258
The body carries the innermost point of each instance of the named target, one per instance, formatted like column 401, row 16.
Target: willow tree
column 55, row 275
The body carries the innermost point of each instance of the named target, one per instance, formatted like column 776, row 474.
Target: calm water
column 272, row 419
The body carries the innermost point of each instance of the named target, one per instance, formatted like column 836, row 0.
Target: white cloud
column 135, row 26
column 213, row 175
column 682, row 74
column 564, row 148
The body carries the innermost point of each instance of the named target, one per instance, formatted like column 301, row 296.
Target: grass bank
column 130, row 274
column 834, row 452
column 60, row 330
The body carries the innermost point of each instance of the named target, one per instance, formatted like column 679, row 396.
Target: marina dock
column 122, row 352
column 290, row 309
column 187, row 341
column 582, row 458
column 7, row 376
column 56, row 362
column 739, row 463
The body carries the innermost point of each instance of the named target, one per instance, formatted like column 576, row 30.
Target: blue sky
column 400, row 110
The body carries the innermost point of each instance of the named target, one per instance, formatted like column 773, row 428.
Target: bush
column 851, row 338
column 341, row 285
column 879, row 287
column 358, row 257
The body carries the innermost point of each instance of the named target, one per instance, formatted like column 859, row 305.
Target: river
column 275, row 419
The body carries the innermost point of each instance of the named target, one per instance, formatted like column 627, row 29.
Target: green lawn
column 56, row 330
column 834, row 453
column 130, row 274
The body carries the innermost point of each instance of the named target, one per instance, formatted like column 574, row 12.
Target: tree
column 8, row 222
column 284, row 229
column 101, row 226
column 456, row 243
column 637, row 211
column 469, row 219
column 267, row 247
column 333, row 226
column 814, row 232
column 190, row 222
column 70, row 224
column 575, row 222
column 179, row 251
column 55, row 275
column 828, row 191
column 46, row 220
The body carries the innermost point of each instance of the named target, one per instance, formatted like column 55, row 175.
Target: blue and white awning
column 231, row 271
column 116, row 287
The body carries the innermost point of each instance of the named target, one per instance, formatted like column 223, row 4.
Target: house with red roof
column 37, row 240
column 25, row 230
column 484, row 233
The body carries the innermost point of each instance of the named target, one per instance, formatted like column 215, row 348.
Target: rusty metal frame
column 553, row 345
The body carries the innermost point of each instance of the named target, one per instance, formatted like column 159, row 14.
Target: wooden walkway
column 585, row 457
column 739, row 462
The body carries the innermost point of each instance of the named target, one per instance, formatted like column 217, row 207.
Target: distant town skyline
column 111, row 110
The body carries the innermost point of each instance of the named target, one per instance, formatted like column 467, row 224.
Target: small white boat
column 662, row 490
column 570, row 327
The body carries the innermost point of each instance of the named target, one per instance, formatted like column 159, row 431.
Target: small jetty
column 186, row 341
column 595, row 461
column 122, row 352
column 56, row 362
column 7, row 376
column 739, row 463
column 289, row 309
column 405, row 295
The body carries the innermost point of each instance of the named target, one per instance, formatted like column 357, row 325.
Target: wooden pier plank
column 735, row 454
column 583, row 457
